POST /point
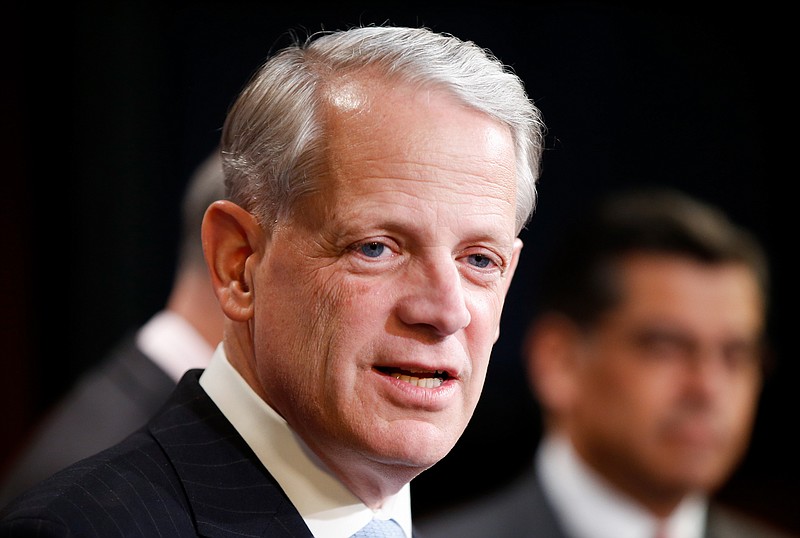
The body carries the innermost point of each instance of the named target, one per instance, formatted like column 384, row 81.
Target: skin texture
column 400, row 262
column 660, row 396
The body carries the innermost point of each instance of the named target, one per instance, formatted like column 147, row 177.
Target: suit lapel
column 229, row 490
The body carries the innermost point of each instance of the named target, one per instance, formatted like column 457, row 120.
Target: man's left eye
column 479, row 260
column 373, row 249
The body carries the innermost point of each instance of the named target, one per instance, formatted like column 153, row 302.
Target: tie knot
column 379, row 528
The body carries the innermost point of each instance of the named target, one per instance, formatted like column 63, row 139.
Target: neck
column 193, row 298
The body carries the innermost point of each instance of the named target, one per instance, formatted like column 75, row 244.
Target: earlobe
column 231, row 239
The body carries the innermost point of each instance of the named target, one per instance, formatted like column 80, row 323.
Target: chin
column 699, row 478
column 417, row 448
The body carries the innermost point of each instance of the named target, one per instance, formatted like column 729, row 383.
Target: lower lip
column 431, row 399
column 700, row 437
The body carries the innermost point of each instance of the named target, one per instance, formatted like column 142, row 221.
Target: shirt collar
column 589, row 507
column 173, row 344
column 329, row 509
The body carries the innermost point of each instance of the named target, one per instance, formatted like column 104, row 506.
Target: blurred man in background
column 647, row 357
column 119, row 394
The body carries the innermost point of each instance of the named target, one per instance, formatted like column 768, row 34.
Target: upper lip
column 442, row 374
column 417, row 370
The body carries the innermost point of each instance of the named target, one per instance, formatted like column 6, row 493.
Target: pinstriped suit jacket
column 186, row 473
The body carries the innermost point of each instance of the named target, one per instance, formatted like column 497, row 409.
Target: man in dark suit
column 124, row 390
column 377, row 181
column 646, row 355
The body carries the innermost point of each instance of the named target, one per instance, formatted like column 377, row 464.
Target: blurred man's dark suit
column 121, row 394
column 522, row 510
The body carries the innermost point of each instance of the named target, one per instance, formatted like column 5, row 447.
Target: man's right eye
column 372, row 249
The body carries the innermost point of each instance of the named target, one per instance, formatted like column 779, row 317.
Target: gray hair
column 581, row 277
column 273, row 139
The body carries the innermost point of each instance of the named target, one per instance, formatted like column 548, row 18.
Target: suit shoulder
column 128, row 489
column 727, row 522
column 518, row 509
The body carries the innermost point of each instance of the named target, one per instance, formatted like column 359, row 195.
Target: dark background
column 109, row 107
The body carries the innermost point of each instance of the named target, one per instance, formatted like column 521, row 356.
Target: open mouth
column 418, row 378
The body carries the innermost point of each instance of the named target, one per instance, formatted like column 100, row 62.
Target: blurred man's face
column 668, row 381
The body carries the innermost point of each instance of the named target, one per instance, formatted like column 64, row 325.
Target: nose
column 435, row 297
column 706, row 375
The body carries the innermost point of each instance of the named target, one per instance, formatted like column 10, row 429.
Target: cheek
column 485, row 314
column 292, row 310
column 348, row 318
column 356, row 304
column 743, row 411
column 618, row 392
column 481, row 334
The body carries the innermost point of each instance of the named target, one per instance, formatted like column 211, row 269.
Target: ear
column 232, row 242
column 512, row 268
column 551, row 352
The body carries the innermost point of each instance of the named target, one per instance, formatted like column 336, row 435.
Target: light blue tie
column 378, row 528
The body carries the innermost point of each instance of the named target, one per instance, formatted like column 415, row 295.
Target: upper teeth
column 424, row 382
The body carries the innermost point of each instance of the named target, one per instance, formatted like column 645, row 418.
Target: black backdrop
column 112, row 105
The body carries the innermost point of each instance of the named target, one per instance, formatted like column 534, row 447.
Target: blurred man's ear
column 232, row 241
column 550, row 354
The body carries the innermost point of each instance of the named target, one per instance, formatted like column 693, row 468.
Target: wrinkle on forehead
column 430, row 150
column 463, row 195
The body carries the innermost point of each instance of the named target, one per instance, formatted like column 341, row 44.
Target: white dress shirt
column 173, row 344
column 589, row 507
column 329, row 509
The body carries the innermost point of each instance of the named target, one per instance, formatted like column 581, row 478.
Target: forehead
column 383, row 131
column 713, row 296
